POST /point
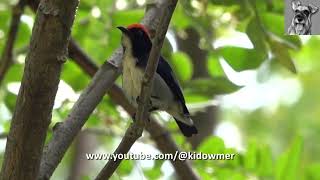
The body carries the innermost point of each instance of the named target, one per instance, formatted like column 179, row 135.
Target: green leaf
column 265, row 161
column 179, row 19
column 125, row 167
column 313, row 171
column 182, row 65
column 72, row 75
column 274, row 24
column 14, row 73
column 124, row 18
column 154, row 173
column 23, row 36
column 224, row 2
column 214, row 66
column 230, row 174
column 211, row 87
column 250, row 160
column 287, row 167
column 10, row 101
column 203, row 172
column 256, row 35
column 191, row 97
column 212, row 145
column 4, row 24
column 242, row 59
column 282, row 55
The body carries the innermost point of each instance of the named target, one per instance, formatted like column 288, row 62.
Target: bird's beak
column 124, row 30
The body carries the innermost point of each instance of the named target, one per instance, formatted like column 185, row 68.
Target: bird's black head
column 135, row 38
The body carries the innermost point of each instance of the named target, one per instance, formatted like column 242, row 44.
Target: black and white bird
column 166, row 93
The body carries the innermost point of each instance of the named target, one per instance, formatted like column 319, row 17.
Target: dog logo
column 301, row 22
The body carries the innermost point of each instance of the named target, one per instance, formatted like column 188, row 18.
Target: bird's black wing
column 166, row 73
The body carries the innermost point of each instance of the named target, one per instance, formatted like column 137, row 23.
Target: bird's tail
column 186, row 129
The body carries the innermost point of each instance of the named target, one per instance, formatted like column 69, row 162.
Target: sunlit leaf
column 154, row 173
column 73, row 75
column 275, row 24
column 125, row 167
column 125, row 18
column 214, row 66
column 212, row 145
column 224, row 2
column 288, row 164
column 179, row 19
column 10, row 101
column 250, row 161
column 257, row 36
column 242, row 59
column 14, row 73
column 265, row 162
column 23, row 36
column 282, row 55
column 313, row 171
column 182, row 65
column 211, row 86
column 191, row 97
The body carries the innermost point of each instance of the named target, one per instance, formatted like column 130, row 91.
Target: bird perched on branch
column 166, row 93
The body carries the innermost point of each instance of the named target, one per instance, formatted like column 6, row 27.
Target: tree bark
column 102, row 81
column 48, row 51
column 65, row 132
column 135, row 130
column 158, row 133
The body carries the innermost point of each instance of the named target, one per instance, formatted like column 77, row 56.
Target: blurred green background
column 251, row 89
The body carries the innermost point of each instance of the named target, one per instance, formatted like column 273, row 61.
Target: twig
column 135, row 130
column 102, row 81
column 6, row 57
column 158, row 133
column 70, row 127
column 166, row 145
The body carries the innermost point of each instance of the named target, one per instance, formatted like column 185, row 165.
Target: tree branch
column 135, row 130
column 66, row 132
column 158, row 133
column 102, row 81
column 48, row 50
column 6, row 57
column 166, row 144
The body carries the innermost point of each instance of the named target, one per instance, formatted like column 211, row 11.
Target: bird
column 166, row 94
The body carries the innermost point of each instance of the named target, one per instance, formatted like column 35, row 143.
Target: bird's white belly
column 132, row 79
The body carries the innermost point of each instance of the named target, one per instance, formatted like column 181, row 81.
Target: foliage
column 278, row 143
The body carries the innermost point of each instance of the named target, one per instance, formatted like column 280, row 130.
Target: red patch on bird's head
column 139, row 26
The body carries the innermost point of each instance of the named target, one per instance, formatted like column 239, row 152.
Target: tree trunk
column 48, row 51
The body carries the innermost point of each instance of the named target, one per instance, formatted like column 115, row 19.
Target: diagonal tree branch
column 67, row 130
column 102, row 81
column 6, row 57
column 135, row 130
column 48, row 50
column 158, row 133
